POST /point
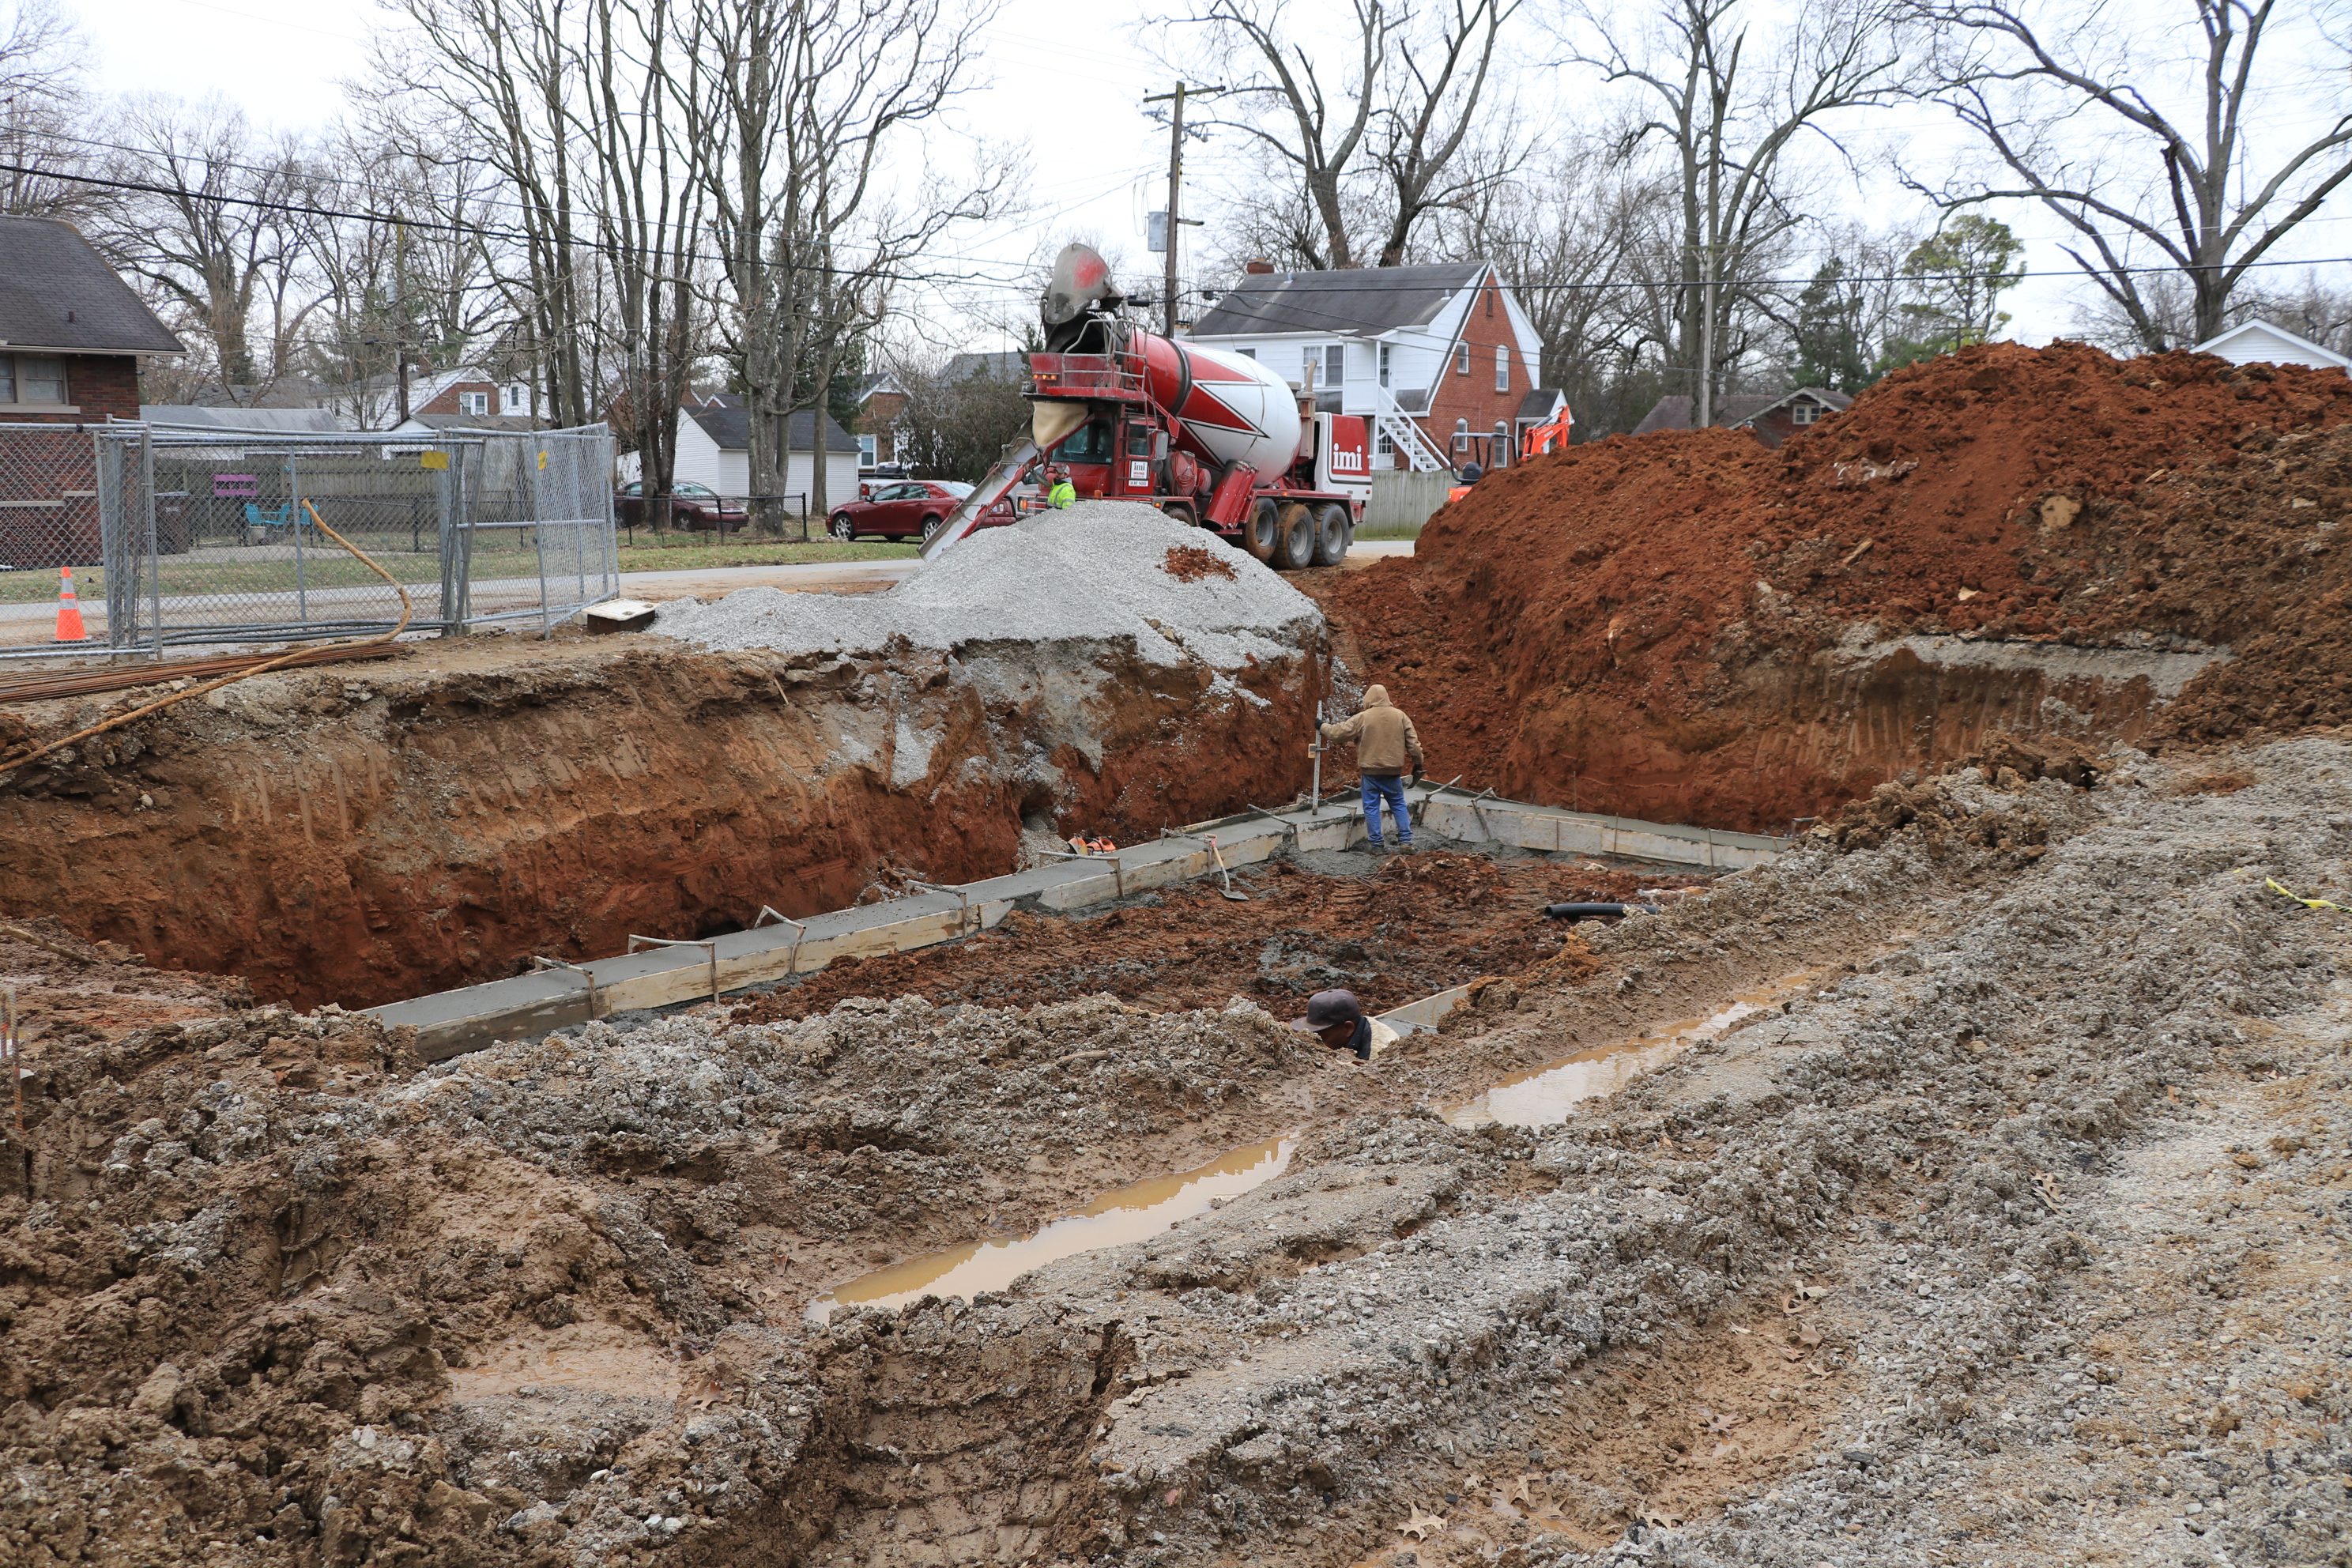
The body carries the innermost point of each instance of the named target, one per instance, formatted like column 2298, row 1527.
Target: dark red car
column 691, row 506
column 907, row 510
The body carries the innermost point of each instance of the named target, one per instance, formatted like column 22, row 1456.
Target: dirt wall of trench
column 1687, row 626
column 360, row 838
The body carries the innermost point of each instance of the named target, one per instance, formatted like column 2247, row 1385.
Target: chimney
column 1261, row 267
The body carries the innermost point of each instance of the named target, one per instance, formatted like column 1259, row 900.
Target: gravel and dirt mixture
column 2016, row 1235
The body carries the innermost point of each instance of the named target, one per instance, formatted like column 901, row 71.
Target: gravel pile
column 1096, row 572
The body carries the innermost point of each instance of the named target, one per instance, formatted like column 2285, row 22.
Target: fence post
column 114, row 552
column 155, row 544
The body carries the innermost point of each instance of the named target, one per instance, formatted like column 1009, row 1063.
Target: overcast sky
column 1068, row 80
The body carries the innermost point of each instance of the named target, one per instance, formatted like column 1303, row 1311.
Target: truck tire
column 1181, row 513
column 1262, row 533
column 1294, row 538
column 1330, row 534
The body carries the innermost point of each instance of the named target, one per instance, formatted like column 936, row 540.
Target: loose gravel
column 1096, row 570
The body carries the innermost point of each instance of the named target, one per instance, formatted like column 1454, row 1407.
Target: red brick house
column 1441, row 359
column 1770, row 419
column 72, row 334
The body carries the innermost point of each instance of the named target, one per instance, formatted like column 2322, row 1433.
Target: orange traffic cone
column 70, row 626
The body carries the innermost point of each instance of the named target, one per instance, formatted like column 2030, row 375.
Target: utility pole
column 1175, row 184
column 1706, row 351
column 400, row 312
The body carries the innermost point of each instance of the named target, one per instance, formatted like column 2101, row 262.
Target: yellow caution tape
column 2298, row 898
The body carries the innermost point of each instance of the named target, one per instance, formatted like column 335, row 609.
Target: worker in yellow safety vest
column 1063, row 493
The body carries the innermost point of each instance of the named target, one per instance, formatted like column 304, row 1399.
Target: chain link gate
column 181, row 536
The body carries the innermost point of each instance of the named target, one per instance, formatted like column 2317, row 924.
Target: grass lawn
column 703, row 554
column 337, row 569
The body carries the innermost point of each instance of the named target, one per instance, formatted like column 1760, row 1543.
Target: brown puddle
column 1118, row 1216
column 1538, row 1097
column 1547, row 1095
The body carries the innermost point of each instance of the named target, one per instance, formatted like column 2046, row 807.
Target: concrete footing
column 449, row 1022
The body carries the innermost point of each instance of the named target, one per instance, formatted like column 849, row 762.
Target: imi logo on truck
column 1349, row 445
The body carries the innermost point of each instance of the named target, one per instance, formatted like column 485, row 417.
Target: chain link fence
column 176, row 536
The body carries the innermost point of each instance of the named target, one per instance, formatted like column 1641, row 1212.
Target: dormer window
column 474, row 405
column 1804, row 412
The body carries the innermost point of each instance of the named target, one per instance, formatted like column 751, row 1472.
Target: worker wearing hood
column 1386, row 745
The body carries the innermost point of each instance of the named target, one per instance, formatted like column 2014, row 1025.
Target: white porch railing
column 1421, row 453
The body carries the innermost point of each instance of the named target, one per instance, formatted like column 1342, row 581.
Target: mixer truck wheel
column 1293, row 538
column 1330, row 534
column 1181, row 513
column 1262, row 534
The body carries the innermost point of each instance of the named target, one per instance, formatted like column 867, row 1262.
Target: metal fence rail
column 179, row 536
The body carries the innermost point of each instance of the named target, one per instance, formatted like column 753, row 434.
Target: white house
column 1441, row 359
column 714, row 449
column 2260, row 343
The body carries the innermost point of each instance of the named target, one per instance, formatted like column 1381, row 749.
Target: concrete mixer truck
column 1213, row 438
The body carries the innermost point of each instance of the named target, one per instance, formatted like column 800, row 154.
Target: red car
column 691, row 507
column 907, row 510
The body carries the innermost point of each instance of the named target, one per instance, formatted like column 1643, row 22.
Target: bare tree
column 220, row 227
column 1732, row 125
column 44, row 67
column 1361, row 152
column 505, row 73
column 791, row 106
column 2076, row 123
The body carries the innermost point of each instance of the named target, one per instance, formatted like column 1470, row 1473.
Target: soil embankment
column 360, row 836
column 1689, row 627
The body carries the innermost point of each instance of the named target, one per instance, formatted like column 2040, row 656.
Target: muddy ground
column 1393, row 929
column 2015, row 1234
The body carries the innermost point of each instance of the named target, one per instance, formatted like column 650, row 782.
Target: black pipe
column 1594, row 912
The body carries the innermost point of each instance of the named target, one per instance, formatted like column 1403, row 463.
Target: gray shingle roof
column 731, row 430
column 56, row 292
column 1003, row 364
column 1538, row 404
column 1362, row 301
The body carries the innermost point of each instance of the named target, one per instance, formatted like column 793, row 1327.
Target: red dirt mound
column 1690, row 626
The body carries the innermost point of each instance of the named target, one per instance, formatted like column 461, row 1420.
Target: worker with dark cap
column 1337, row 1018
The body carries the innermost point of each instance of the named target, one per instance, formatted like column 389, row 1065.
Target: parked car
column 907, row 510
column 691, row 506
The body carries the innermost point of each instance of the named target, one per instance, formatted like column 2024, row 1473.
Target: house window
column 514, row 398
column 1384, row 363
column 1462, row 435
column 1387, row 444
column 1335, row 363
column 474, row 405
column 32, row 378
column 1462, row 359
column 1502, row 369
column 1803, row 413
column 1246, row 353
column 868, row 448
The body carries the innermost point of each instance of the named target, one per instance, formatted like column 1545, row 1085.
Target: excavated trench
column 437, row 821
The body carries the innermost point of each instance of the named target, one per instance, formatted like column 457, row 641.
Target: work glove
column 1416, row 778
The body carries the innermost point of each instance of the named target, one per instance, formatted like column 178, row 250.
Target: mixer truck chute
column 1212, row 438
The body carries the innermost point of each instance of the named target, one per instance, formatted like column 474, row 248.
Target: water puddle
column 1121, row 1216
column 1538, row 1097
column 1544, row 1096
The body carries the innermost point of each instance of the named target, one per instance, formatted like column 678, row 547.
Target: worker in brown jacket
column 1386, row 744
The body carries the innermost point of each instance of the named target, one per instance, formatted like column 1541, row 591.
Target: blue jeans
column 1393, row 791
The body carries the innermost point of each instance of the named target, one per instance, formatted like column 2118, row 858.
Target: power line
column 484, row 231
